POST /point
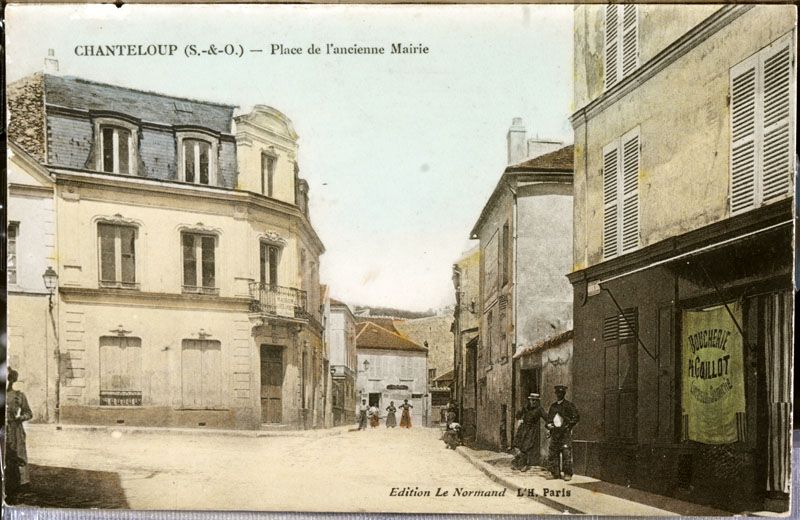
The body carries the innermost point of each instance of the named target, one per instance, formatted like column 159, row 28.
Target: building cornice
column 770, row 215
column 154, row 299
column 691, row 39
column 29, row 190
column 126, row 183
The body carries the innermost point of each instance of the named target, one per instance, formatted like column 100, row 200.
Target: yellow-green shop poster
column 713, row 399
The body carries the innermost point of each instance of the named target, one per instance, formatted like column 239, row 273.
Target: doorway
column 375, row 400
column 271, row 384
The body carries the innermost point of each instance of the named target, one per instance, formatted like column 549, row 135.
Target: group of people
column 559, row 421
column 373, row 415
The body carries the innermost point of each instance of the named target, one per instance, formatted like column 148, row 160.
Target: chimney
column 516, row 141
column 537, row 146
column 50, row 62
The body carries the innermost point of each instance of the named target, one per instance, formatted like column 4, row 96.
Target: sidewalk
column 581, row 495
column 143, row 430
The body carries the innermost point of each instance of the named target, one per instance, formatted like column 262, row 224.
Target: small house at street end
column 187, row 268
column 391, row 367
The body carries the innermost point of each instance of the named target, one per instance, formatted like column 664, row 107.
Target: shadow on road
column 650, row 499
column 74, row 488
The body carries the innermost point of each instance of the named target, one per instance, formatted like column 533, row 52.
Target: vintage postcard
column 506, row 259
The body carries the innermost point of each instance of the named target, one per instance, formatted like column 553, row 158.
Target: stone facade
column 182, row 301
column 466, row 274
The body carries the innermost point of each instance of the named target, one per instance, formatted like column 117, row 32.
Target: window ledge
column 119, row 285
column 191, row 289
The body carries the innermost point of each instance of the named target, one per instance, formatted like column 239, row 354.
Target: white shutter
column 630, row 190
column 743, row 135
column 610, row 201
column 630, row 39
column 612, row 46
column 776, row 163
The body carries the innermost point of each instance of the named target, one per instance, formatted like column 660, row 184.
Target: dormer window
column 197, row 158
column 116, row 146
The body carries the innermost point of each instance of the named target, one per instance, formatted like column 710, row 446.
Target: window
column 267, row 174
column 120, row 371
column 199, row 274
column 117, row 245
column 762, row 127
column 268, row 264
column 621, row 42
column 196, row 161
column 116, row 149
column 201, row 374
column 11, row 251
column 621, row 375
column 431, row 375
column 506, row 267
column 621, row 195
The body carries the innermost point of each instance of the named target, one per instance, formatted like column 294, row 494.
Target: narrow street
column 351, row 471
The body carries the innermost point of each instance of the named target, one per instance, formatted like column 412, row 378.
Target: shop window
column 620, row 375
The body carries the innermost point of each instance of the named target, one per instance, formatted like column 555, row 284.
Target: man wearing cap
column 561, row 418
column 526, row 436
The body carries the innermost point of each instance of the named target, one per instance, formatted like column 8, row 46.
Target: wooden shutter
column 630, row 39
column 630, row 191
column 776, row 163
column 610, row 201
column 743, row 136
column 612, row 46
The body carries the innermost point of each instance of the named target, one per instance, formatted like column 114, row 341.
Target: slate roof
column 562, row 160
column 82, row 94
column 373, row 336
column 545, row 344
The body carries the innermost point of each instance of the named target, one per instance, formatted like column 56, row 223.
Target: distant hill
column 366, row 310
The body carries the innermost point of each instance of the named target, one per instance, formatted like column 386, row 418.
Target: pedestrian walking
column 374, row 416
column 405, row 416
column 561, row 418
column 525, row 444
column 362, row 415
column 17, row 411
column 391, row 418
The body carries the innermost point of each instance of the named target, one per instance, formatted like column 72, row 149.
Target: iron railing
column 278, row 301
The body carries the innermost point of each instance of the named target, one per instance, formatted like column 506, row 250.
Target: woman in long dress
column 17, row 411
column 405, row 417
column 391, row 418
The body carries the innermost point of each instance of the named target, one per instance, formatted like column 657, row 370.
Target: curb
column 143, row 430
column 506, row 482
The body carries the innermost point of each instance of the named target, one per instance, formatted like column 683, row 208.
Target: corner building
column 684, row 171
column 188, row 289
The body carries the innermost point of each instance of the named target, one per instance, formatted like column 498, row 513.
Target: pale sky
column 401, row 152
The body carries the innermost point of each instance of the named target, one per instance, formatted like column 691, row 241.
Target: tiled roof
column 560, row 160
column 386, row 323
column 81, row 94
column 372, row 336
column 552, row 341
column 447, row 376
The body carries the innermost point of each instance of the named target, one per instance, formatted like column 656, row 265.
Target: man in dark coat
column 561, row 418
column 526, row 436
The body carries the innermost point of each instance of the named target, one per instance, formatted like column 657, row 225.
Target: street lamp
column 50, row 280
column 366, row 365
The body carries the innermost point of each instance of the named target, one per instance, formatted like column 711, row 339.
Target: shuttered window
column 621, row 42
column 762, row 127
column 120, row 371
column 201, row 374
column 621, row 375
column 621, row 195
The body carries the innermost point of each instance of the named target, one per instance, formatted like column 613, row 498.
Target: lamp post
column 50, row 278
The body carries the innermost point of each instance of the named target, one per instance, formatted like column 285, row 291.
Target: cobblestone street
column 350, row 471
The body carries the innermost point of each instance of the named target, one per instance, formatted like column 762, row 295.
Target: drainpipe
column 513, row 308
